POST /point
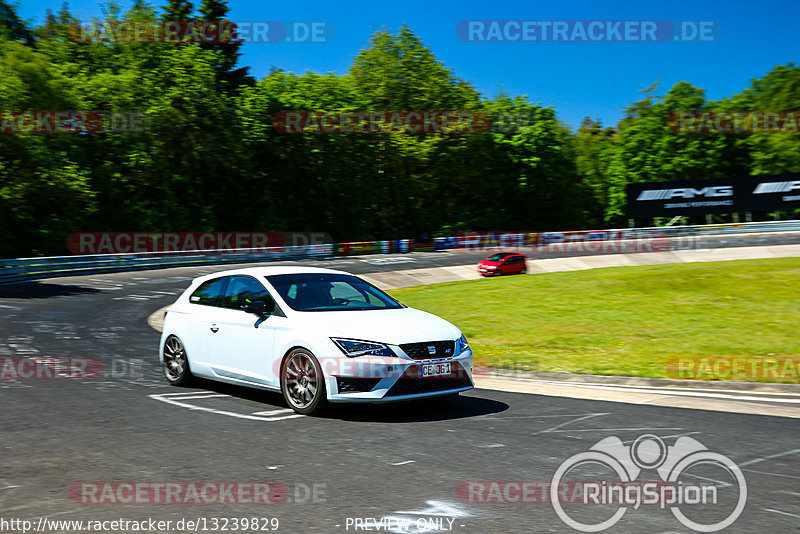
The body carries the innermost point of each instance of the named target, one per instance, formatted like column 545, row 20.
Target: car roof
column 268, row 271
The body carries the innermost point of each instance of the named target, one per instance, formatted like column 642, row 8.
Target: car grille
column 356, row 385
column 421, row 351
column 411, row 384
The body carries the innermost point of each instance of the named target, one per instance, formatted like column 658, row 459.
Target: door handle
column 214, row 328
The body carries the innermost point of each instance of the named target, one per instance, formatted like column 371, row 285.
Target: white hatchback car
column 317, row 335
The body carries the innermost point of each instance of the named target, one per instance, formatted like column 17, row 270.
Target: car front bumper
column 399, row 380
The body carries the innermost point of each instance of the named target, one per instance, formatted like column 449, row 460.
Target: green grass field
column 629, row 321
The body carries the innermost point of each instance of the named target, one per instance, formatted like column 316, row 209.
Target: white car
column 317, row 335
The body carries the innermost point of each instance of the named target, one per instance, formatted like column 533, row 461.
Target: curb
column 489, row 372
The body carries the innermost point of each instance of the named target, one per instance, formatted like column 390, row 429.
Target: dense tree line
column 210, row 159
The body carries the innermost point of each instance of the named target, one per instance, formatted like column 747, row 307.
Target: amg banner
column 769, row 193
column 696, row 197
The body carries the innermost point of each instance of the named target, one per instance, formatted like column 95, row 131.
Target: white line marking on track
column 757, row 396
column 642, row 429
column 172, row 401
column 771, row 474
column 274, row 412
column 653, row 399
column 439, row 508
column 770, row 457
column 404, row 463
column 720, row 483
column 586, row 416
column 200, row 397
column 779, row 512
column 635, row 387
column 664, row 437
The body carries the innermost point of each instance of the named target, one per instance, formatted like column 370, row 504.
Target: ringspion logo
column 649, row 453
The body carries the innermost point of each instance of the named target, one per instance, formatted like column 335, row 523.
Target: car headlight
column 461, row 345
column 355, row 347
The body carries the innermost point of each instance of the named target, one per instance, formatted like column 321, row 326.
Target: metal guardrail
column 27, row 269
column 729, row 228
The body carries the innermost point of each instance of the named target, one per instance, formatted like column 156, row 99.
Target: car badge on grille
column 431, row 349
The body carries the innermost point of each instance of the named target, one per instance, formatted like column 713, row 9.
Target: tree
column 11, row 26
column 226, row 53
column 594, row 149
column 178, row 10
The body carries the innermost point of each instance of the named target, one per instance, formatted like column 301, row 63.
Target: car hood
column 489, row 262
column 403, row 325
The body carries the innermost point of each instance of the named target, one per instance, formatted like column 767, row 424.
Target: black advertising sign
column 768, row 193
column 697, row 197
column 659, row 199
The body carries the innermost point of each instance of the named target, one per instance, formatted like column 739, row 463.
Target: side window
column 343, row 290
column 210, row 292
column 244, row 288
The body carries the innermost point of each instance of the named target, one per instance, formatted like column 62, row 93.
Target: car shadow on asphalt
column 458, row 407
column 38, row 290
column 442, row 409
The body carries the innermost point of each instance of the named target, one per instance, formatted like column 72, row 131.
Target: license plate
column 435, row 369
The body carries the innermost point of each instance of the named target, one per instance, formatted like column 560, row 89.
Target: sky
column 578, row 78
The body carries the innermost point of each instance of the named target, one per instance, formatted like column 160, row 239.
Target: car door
column 505, row 265
column 204, row 305
column 516, row 264
column 240, row 344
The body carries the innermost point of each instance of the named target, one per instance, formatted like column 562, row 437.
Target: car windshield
column 330, row 292
column 498, row 257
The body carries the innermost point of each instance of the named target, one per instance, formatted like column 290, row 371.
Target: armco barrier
column 25, row 269
column 484, row 240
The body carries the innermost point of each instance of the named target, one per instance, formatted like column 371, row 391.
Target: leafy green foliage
column 210, row 159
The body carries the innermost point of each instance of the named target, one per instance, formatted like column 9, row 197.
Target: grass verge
column 647, row 321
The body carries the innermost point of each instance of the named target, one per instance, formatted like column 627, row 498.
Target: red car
column 502, row 263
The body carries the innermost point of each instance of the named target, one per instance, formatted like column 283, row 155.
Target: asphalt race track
column 381, row 465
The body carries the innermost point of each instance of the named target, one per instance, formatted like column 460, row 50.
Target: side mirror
column 257, row 307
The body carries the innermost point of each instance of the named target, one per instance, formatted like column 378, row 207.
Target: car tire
column 303, row 383
column 176, row 363
column 524, row 269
